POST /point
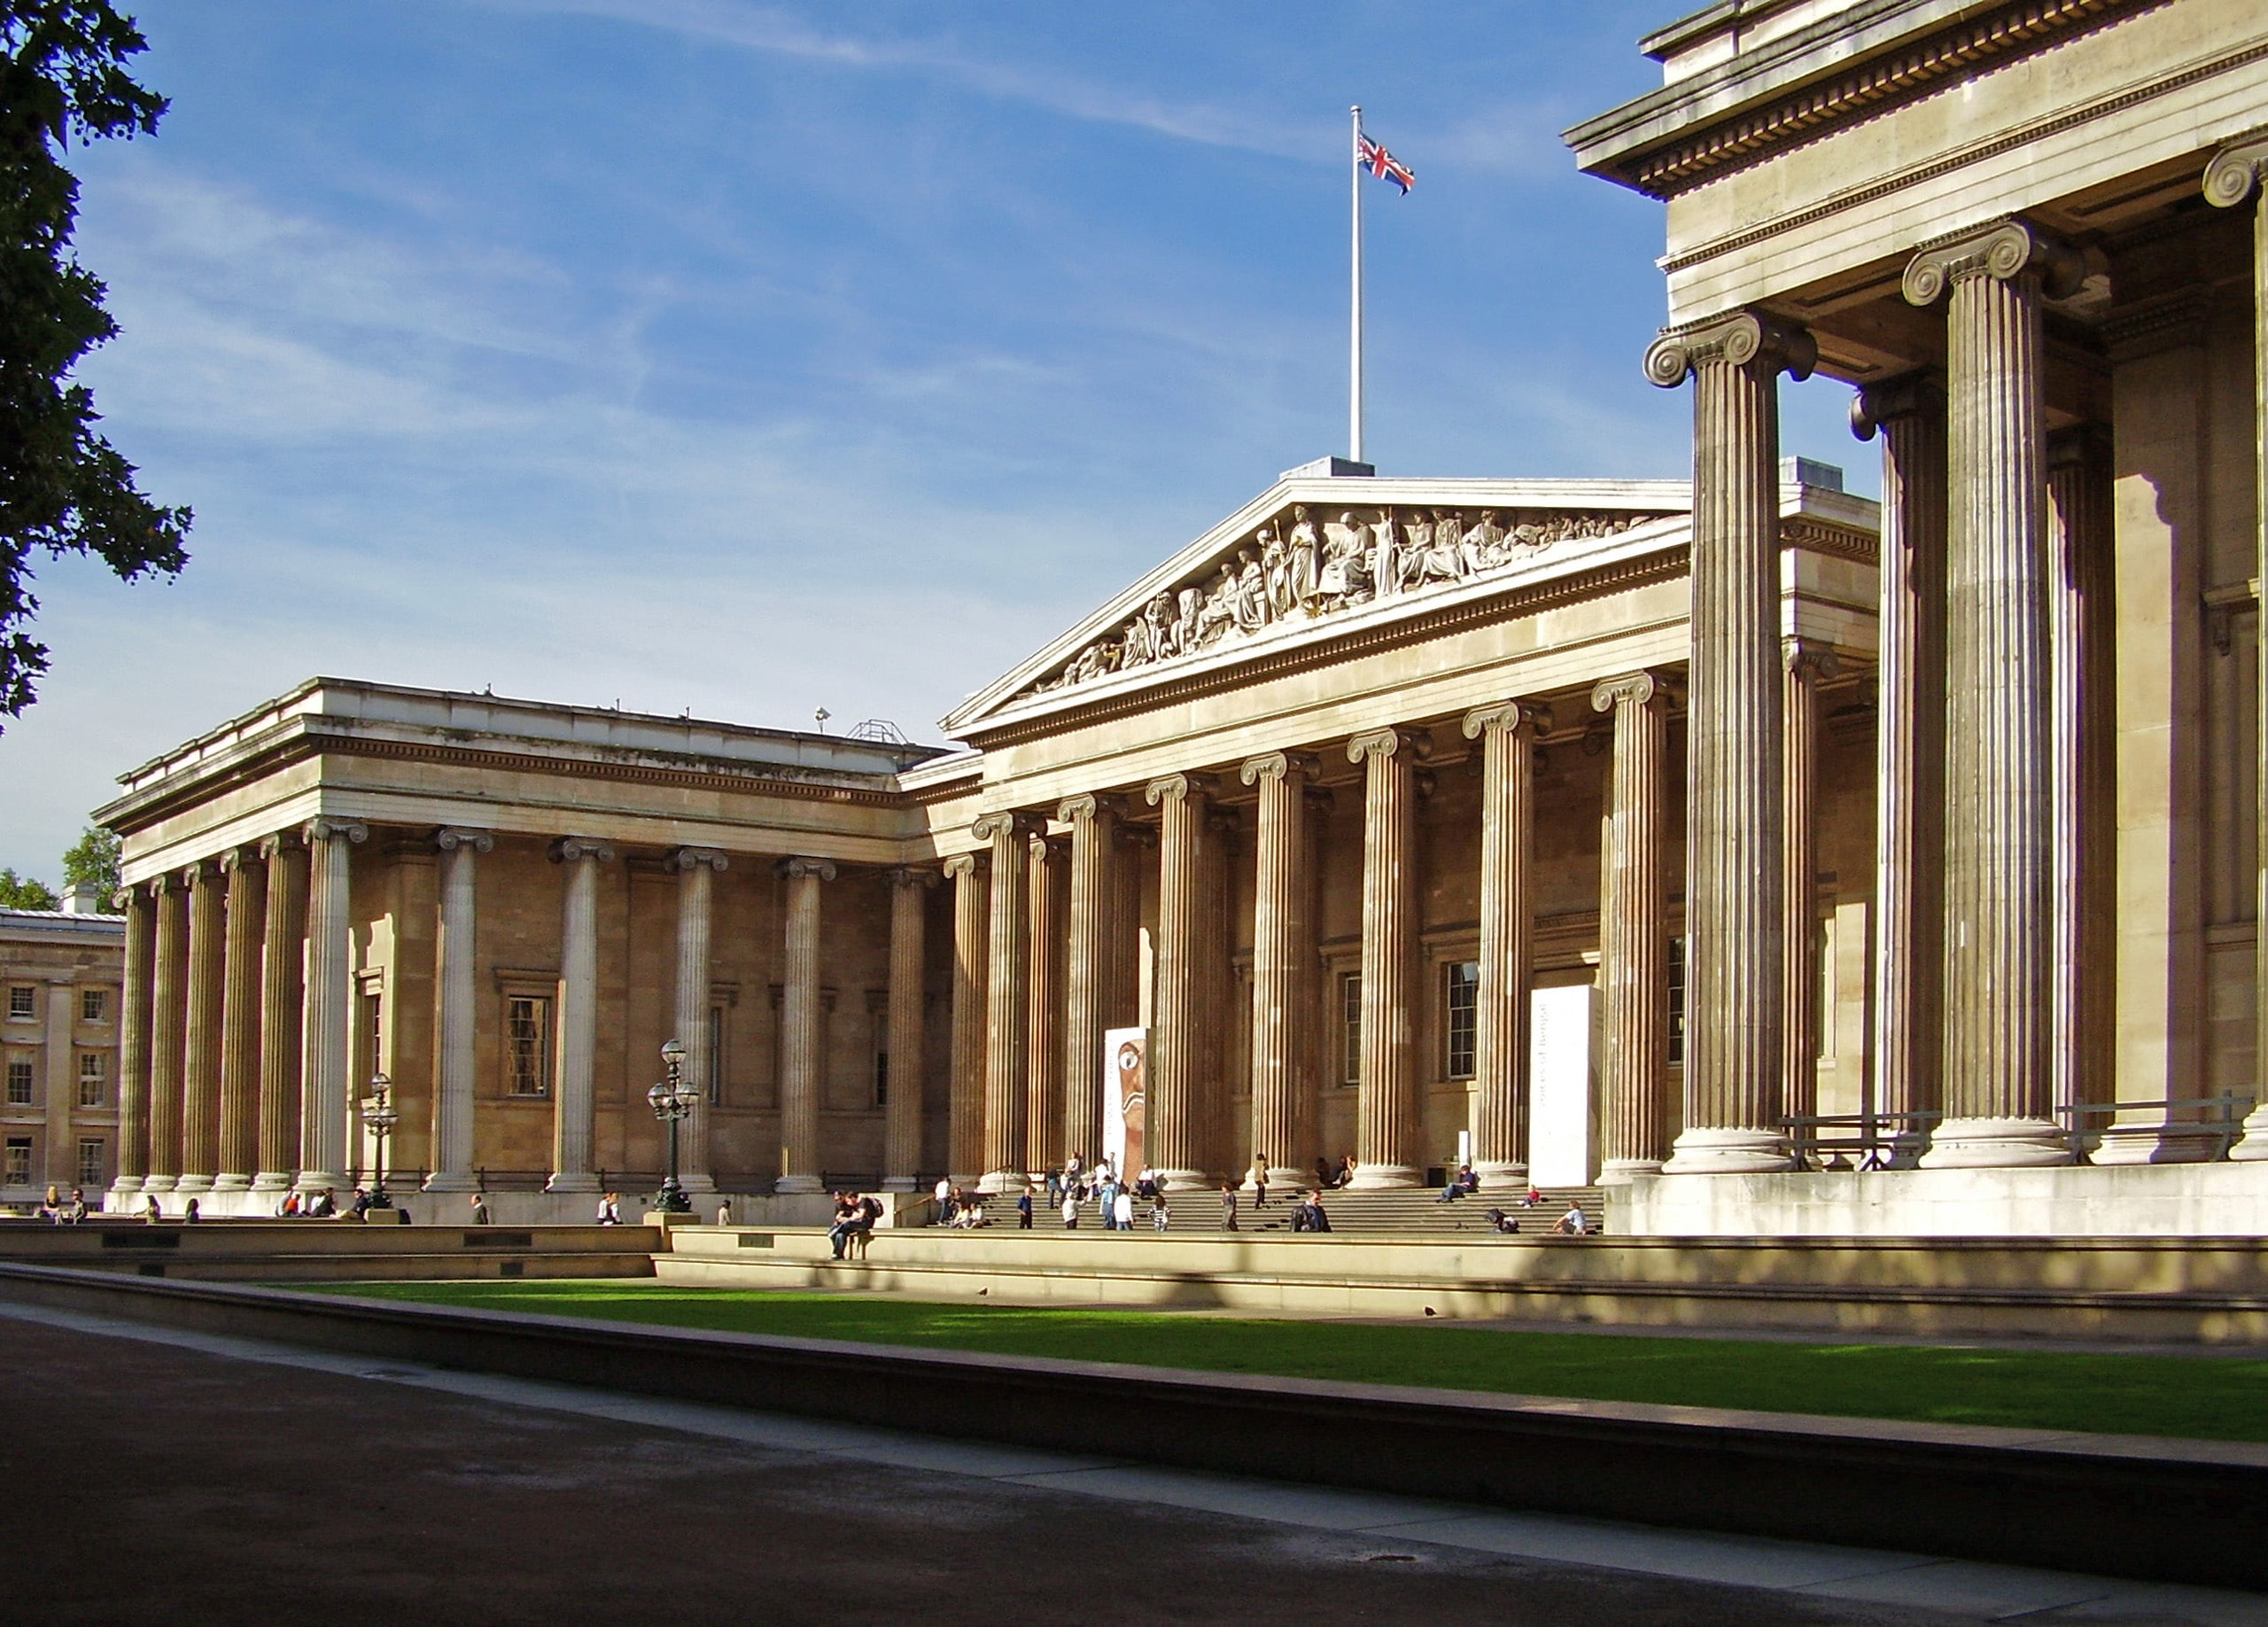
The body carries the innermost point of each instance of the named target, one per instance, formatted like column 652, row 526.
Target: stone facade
column 61, row 973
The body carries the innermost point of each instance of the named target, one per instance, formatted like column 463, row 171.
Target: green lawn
column 2220, row 1398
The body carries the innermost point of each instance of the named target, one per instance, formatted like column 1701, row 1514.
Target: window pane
column 1677, row 1001
column 527, row 1052
column 91, row 1162
column 1461, row 1012
column 1350, row 1017
column 19, row 1001
column 18, row 1170
column 881, row 1059
column 716, row 1056
column 19, row 1084
column 92, row 1079
column 91, row 1005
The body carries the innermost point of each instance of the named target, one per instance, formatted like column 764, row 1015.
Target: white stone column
column 965, row 1127
column 1508, row 735
column 1174, row 1127
column 1091, row 961
column 908, row 958
column 240, row 1022
column 1909, row 751
column 134, row 1046
column 801, row 1060
column 1006, row 994
column 168, row 1018
column 1047, row 901
column 574, row 1101
column 326, row 1055
column 1806, row 663
column 2238, row 174
column 454, row 1162
column 200, row 1096
column 283, row 1022
column 696, row 869
column 1634, row 931
column 1733, row 896
column 1285, row 1105
column 1387, row 1129
column 1999, row 988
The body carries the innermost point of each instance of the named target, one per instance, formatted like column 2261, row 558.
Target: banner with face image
column 1125, row 1088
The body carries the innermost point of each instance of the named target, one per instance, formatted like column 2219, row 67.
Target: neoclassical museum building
column 1702, row 839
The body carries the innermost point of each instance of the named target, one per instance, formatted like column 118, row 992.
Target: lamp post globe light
column 379, row 1118
column 672, row 1100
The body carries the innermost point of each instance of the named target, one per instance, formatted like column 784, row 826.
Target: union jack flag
column 1384, row 164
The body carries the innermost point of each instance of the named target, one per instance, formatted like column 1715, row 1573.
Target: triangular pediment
column 1313, row 553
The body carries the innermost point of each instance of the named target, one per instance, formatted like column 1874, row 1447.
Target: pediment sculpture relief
column 1296, row 568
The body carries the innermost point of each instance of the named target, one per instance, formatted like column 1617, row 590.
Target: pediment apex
column 1324, row 540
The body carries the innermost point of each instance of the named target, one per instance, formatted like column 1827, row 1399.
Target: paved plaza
column 388, row 1490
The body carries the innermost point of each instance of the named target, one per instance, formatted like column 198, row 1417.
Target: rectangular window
column 716, row 1056
column 1350, row 1025
column 21, row 1000
column 527, row 1045
column 373, row 1034
column 18, row 1170
column 94, row 1079
column 1677, row 1002
column 94, row 1006
column 19, row 1082
column 881, row 1059
column 92, row 1167
column 1460, row 1017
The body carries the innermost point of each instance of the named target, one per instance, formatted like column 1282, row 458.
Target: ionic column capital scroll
column 799, row 867
column 1275, row 766
column 568, row 850
column 1514, row 717
column 1007, row 825
column 904, row 875
column 1090, row 805
column 1415, row 744
column 1740, row 340
column 960, row 865
column 449, row 838
column 1638, row 689
column 2004, row 251
column 2236, row 171
column 328, row 829
column 1808, row 656
column 680, row 860
column 1909, row 395
column 1176, row 787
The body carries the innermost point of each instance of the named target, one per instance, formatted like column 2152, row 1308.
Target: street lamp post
column 671, row 1101
column 379, row 1118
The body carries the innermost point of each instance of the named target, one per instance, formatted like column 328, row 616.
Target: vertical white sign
column 1563, row 1140
column 1125, row 1089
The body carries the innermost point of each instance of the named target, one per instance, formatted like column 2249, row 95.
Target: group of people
column 855, row 1215
column 58, row 1210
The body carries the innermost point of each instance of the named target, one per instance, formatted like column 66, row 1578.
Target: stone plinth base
column 2177, row 1200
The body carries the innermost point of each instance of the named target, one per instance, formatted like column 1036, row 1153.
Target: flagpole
column 1355, row 333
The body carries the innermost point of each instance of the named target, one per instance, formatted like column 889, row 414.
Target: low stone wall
column 333, row 1251
column 2146, row 1200
column 2169, row 1510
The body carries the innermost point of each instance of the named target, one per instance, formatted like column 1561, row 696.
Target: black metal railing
column 1856, row 1140
column 2219, row 1121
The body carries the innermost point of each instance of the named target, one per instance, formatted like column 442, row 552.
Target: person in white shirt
column 1573, row 1224
column 1123, row 1209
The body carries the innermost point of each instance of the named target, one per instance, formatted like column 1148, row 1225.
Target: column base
column 1622, row 1171
column 1495, row 1177
column 193, row 1185
column 272, row 1180
column 1996, row 1144
column 319, row 1180
column 1173, row 1180
column 232, row 1183
column 899, row 1183
column 130, row 1186
column 159, row 1183
column 1385, row 1177
column 573, row 1180
column 788, row 1185
column 2252, row 1145
column 2167, row 1145
column 1727, row 1152
column 700, row 1185
column 997, row 1182
column 452, row 1180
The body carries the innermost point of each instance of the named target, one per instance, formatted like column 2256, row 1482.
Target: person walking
column 480, row 1208
column 1023, row 1210
column 1228, row 1206
column 1121, row 1210
column 1259, row 1180
column 1070, row 1209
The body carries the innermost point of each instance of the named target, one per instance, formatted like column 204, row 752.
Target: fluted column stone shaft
column 1006, row 990
column 457, row 1054
column 1286, row 1108
column 1909, row 751
column 134, row 1046
column 200, row 1110
column 1047, row 900
column 1999, row 988
column 696, row 869
column 1174, row 1127
column 326, row 1036
column 575, row 1101
column 1806, row 664
column 909, row 938
column 1634, row 931
column 1734, row 909
column 1216, row 981
column 168, row 1024
column 2235, row 175
column 972, row 906
column 1387, row 1129
column 1092, row 955
column 1501, row 1061
column 240, row 1014
column 802, row 1061
column 283, row 1023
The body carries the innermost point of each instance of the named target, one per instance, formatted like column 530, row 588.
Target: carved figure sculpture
column 1252, row 593
column 1307, row 564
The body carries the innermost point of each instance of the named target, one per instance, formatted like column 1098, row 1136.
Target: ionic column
column 1092, row 963
column 1048, row 901
column 2235, row 174
column 965, row 1125
column 909, row 938
column 1909, row 749
column 459, row 962
column 1634, row 932
column 1005, row 989
column 1500, row 1051
column 134, row 1046
column 1733, row 897
column 696, row 869
column 1387, row 1125
column 240, row 1024
column 200, row 1111
column 1174, row 1124
column 1285, row 1105
column 1806, row 664
column 1999, row 988
column 1217, row 988
column 168, row 1024
column 282, row 964
column 578, row 1014
column 326, row 1054
column 802, row 1063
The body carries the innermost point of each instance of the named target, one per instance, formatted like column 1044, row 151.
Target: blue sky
column 759, row 358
